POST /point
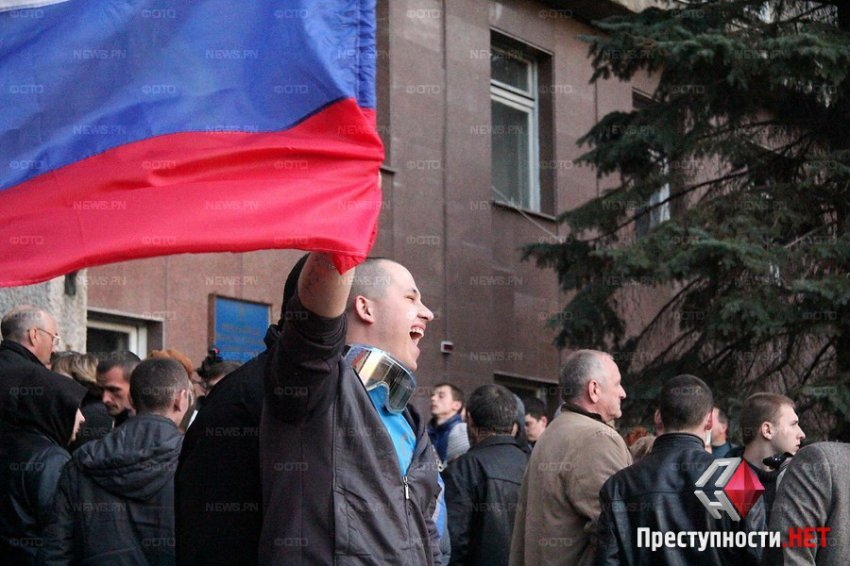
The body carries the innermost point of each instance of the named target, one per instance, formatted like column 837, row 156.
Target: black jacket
column 758, row 516
column 98, row 421
column 658, row 493
column 37, row 412
column 332, row 489
column 13, row 354
column 482, row 489
column 217, row 487
column 115, row 501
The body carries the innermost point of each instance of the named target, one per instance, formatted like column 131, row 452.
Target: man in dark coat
column 218, row 508
column 39, row 416
column 349, row 474
column 218, row 512
column 29, row 337
column 446, row 428
column 115, row 501
column 482, row 486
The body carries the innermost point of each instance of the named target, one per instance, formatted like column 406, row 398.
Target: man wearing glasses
column 29, row 335
column 39, row 416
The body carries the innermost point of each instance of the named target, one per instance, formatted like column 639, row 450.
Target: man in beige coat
column 559, row 501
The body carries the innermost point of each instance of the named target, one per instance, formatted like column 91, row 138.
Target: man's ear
column 32, row 336
column 593, row 390
column 363, row 309
column 544, row 420
column 766, row 430
column 709, row 423
column 182, row 401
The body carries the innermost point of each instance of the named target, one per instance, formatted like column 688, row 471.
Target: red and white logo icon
column 736, row 490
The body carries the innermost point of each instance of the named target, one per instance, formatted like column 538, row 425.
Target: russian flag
column 138, row 128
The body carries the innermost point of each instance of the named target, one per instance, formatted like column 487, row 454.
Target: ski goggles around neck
column 378, row 368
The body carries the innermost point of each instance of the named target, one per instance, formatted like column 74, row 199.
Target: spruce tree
column 745, row 146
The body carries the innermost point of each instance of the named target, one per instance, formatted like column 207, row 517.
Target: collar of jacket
column 272, row 336
column 576, row 409
column 122, row 417
column 677, row 441
column 446, row 425
column 765, row 476
column 152, row 417
column 20, row 350
column 495, row 440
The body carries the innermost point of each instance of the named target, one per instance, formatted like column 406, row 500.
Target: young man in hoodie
column 115, row 501
column 39, row 416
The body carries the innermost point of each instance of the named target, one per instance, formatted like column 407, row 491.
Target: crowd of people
column 311, row 453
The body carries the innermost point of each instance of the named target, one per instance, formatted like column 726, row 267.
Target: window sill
column 523, row 211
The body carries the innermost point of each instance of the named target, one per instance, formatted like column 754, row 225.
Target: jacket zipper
column 406, row 487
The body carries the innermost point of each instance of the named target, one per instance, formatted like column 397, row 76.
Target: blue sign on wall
column 239, row 328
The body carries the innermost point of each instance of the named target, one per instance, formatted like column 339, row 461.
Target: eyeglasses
column 55, row 337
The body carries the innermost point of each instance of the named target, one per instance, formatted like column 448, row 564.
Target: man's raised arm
column 322, row 290
column 303, row 366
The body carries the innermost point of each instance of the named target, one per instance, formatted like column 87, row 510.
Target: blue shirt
column 404, row 441
column 400, row 431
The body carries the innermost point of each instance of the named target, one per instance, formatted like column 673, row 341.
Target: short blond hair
column 81, row 367
column 760, row 408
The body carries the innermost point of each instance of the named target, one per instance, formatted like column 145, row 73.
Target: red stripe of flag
column 313, row 187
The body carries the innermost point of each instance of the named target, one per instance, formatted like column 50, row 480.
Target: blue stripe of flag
column 84, row 76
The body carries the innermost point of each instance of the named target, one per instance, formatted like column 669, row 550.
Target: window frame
column 523, row 101
column 137, row 334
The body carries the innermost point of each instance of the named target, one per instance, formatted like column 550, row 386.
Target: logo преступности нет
column 737, row 489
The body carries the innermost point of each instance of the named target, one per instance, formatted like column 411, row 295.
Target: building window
column 657, row 212
column 515, row 157
column 111, row 337
column 109, row 331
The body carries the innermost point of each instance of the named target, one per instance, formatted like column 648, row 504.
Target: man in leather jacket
column 348, row 475
column 482, row 486
column 658, row 492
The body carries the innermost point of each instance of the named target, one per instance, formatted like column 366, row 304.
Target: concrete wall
column 68, row 310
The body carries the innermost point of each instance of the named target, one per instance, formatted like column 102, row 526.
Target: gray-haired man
column 559, row 502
